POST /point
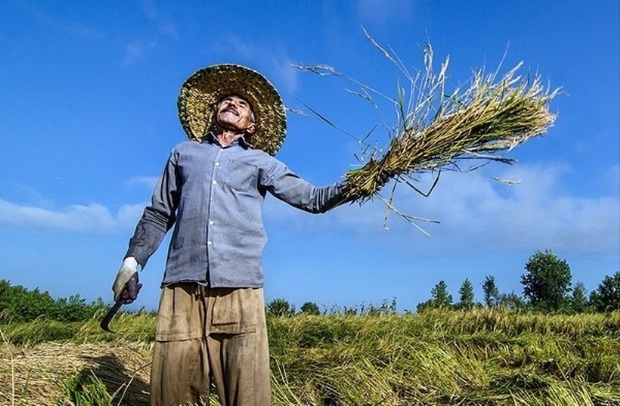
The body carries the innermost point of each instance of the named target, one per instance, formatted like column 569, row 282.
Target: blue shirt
column 213, row 197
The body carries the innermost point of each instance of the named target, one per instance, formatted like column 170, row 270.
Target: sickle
column 125, row 298
column 105, row 323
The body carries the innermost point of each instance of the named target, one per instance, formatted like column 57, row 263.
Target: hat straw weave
column 201, row 91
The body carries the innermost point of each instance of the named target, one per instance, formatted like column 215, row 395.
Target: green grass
column 477, row 357
column 89, row 391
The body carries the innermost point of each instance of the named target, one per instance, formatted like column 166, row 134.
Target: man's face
column 234, row 113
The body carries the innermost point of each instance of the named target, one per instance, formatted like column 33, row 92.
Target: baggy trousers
column 209, row 335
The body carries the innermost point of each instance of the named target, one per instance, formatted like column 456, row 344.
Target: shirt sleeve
column 158, row 217
column 287, row 186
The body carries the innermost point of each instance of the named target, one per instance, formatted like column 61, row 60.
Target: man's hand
column 126, row 286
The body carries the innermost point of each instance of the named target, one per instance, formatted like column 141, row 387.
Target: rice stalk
column 483, row 356
column 439, row 130
column 573, row 393
column 42, row 372
column 11, row 362
column 281, row 388
column 88, row 391
column 487, row 118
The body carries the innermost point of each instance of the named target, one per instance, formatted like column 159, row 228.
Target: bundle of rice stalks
column 437, row 130
column 489, row 117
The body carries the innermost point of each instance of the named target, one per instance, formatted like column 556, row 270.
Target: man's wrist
column 131, row 262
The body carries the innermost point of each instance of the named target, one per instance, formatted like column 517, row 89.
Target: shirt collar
column 212, row 139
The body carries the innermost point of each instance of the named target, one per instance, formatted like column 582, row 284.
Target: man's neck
column 226, row 137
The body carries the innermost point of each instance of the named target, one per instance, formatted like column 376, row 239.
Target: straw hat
column 202, row 90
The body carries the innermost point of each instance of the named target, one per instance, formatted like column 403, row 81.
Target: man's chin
column 228, row 116
column 226, row 126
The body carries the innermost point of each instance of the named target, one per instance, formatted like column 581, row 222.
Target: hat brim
column 201, row 91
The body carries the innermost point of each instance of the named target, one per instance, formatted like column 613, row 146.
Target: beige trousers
column 209, row 335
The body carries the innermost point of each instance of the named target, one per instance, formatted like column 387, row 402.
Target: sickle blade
column 105, row 323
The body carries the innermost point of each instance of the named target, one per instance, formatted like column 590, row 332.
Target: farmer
column 211, row 320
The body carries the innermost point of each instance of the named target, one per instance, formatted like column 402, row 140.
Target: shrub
column 18, row 304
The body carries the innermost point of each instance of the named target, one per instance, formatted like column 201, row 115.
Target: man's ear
column 251, row 129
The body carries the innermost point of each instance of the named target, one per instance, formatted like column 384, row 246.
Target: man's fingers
column 126, row 286
column 120, row 286
column 133, row 287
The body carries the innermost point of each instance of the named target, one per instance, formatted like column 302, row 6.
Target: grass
column 86, row 391
column 477, row 357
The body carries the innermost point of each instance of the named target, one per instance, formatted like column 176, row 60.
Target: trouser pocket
column 181, row 313
column 235, row 311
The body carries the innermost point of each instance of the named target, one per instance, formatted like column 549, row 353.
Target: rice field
column 477, row 357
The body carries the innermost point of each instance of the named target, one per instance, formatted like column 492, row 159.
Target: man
column 211, row 321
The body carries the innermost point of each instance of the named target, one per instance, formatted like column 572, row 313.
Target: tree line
column 547, row 287
column 18, row 304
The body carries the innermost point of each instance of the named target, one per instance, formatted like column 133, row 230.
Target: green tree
column 310, row 308
column 440, row 298
column 384, row 309
column 466, row 292
column 440, row 295
column 428, row 304
column 579, row 300
column 491, row 293
column 547, row 281
column 511, row 301
column 606, row 297
column 20, row 304
column 280, row 308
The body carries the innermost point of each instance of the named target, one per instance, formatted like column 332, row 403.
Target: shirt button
column 210, row 222
column 217, row 164
column 215, row 182
column 209, row 243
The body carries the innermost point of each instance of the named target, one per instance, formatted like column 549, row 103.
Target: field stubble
column 478, row 357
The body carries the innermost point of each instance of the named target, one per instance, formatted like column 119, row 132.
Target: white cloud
column 91, row 218
column 147, row 181
column 238, row 46
column 135, row 49
column 277, row 66
column 285, row 74
column 164, row 25
column 73, row 28
column 612, row 177
column 477, row 212
column 384, row 11
column 535, row 214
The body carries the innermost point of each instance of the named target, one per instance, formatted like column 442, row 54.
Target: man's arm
column 290, row 188
column 158, row 217
column 156, row 220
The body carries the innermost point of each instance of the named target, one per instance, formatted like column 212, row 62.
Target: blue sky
column 88, row 98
